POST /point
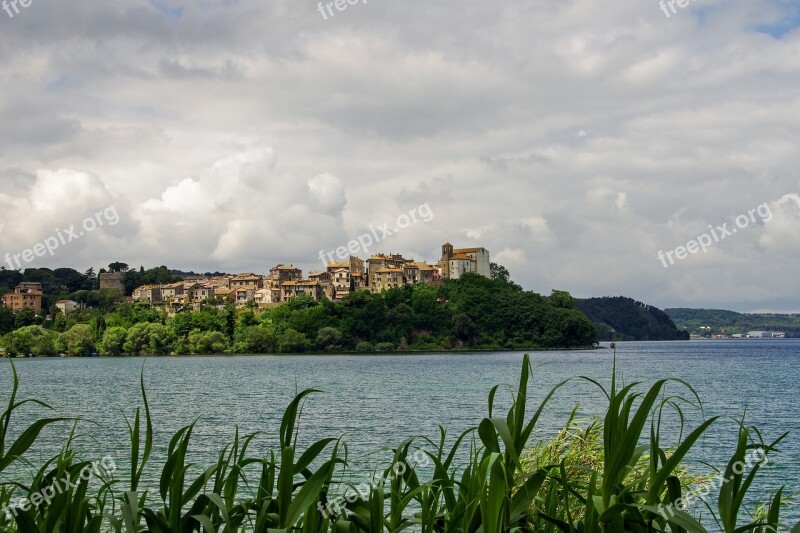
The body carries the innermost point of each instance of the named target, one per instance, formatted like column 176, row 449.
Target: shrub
column 385, row 347
column 292, row 341
column 329, row 339
column 113, row 342
column 364, row 346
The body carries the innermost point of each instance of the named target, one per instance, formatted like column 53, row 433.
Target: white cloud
column 583, row 136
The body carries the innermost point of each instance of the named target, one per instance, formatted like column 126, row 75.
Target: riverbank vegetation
column 473, row 312
column 622, row 474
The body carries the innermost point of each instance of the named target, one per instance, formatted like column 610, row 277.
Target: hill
column 707, row 322
column 621, row 318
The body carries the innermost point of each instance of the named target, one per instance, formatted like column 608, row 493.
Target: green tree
column 118, row 267
column 113, row 342
column 25, row 317
column 147, row 338
column 33, row 340
column 78, row 340
column 464, row 328
column 562, row 300
column 329, row 339
column 500, row 272
column 207, row 342
column 292, row 341
column 7, row 320
column 256, row 339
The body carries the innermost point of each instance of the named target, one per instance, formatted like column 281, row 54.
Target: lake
column 376, row 401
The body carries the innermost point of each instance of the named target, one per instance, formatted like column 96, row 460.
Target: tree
column 89, row 280
column 329, row 339
column 118, row 267
column 464, row 328
column 7, row 320
column 113, row 342
column 256, row 339
column 147, row 338
column 25, row 317
column 562, row 300
column 292, row 341
column 207, row 342
column 500, row 272
column 33, row 340
column 78, row 340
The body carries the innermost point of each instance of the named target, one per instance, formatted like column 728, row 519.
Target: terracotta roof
column 245, row 276
column 285, row 267
column 66, row 302
column 467, row 250
column 463, row 257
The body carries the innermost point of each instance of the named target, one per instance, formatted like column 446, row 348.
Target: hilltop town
column 284, row 282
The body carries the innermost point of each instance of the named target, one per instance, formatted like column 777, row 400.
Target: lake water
column 378, row 401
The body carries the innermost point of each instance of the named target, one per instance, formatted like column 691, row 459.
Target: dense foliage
column 473, row 312
column 707, row 322
column 494, row 478
column 625, row 319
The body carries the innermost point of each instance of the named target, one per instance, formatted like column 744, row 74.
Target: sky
column 581, row 142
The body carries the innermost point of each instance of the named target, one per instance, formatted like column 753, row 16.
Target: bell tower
column 447, row 253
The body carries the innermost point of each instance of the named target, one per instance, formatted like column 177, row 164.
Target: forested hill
column 711, row 321
column 620, row 318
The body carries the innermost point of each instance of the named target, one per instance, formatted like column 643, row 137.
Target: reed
column 613, row 474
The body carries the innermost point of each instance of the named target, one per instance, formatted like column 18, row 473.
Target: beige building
column 197, row 292
column 148, row 293
column 303, row 287
column 224, row 294
column 386, row 278
column 68, row 306
column 173, row 291
column 280, row 275
column 458, row 261
column 263, row 297
column 379, row 262
column 244, row 295
column 325, row 280
column 247, row 281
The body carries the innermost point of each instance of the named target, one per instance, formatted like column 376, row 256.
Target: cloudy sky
column 574, row 139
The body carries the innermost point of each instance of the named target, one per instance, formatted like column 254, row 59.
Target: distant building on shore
column 766, row 335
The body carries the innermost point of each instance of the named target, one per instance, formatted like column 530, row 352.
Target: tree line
column 473, row 312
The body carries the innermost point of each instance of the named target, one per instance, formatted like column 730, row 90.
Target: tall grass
column 613, row 475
